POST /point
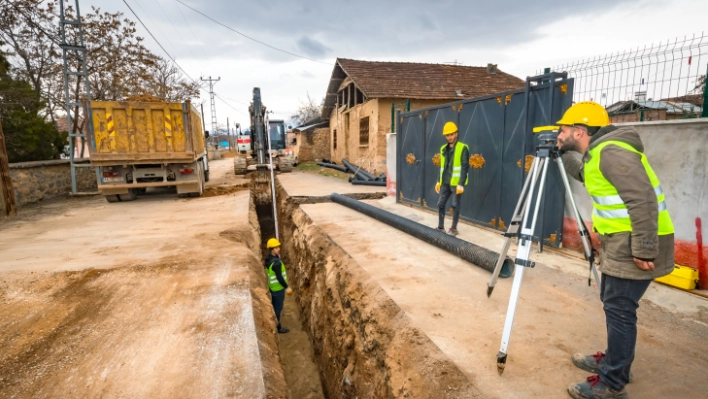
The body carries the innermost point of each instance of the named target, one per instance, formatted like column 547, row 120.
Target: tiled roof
column 377, row 79
column 425, row 81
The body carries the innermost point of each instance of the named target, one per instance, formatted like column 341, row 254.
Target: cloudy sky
column 521, row 36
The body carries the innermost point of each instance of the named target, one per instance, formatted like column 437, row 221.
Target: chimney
column 491, row 69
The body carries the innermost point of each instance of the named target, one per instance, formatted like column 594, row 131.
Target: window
column 364, row 131
column 334, row 138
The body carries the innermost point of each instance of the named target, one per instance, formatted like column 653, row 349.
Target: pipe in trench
column 475, row 254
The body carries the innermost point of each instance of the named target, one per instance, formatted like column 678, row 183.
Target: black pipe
column 333, row 166
column 367, row 182
column 481, row 257
column 361, row 173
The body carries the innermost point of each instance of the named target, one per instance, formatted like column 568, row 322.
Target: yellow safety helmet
column 273, row 243
column 449, row 128
column 586, row 113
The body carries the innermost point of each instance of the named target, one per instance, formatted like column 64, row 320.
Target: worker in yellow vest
column 453, row 176
column 632, row 220
column 277, row 280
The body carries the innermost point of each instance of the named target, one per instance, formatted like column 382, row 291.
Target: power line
column 159, row 44
column 156, row 25
column 229, row 105
column 190, row 29
column 251, row 38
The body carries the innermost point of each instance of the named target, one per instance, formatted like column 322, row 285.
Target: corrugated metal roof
column 310, row 126
column 670, row 107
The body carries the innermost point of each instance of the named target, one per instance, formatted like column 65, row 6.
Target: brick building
column 647, row 110
column 361, row 94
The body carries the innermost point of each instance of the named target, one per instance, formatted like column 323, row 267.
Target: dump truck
column 145, row 142
column 262, row 131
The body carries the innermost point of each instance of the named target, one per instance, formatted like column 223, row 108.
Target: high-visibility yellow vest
column 456, row 164
column 273, row 282
column 610, row 214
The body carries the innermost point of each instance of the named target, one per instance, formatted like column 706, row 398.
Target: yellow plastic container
column 683, row 277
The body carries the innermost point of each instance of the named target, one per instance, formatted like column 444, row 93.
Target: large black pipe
column 368, row 182
column 333, row 166
column 481, row 257
column 361, row 173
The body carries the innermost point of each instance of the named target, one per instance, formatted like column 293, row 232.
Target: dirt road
column 152, row 298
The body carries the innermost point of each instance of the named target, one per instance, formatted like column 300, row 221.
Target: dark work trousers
column 620, row 298
column 446, row 191
column 278, row 300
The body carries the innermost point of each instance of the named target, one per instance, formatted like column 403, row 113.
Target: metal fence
column 675, row 68
column 498, row 130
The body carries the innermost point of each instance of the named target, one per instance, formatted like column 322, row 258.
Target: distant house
column 312, row 140
column 361, row 94
column 648, row 110
column 62, row 126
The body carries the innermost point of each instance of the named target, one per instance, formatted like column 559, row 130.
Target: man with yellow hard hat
column 277, row 280
column 632, row 221
column 453, row 176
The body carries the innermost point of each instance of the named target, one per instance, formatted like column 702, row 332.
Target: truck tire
column 131, row 196
column 112, row 198
column 206, row 176
column 284, row 165
column 240, row 166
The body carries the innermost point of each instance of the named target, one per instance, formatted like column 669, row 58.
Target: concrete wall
column 35, row 181
column 678, row 152
column 313, row 145
column 391, row 164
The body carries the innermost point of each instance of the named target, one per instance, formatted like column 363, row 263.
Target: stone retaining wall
column 35, row 181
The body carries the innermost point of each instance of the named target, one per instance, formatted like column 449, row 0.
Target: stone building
column 312, row 141
column 361, row 95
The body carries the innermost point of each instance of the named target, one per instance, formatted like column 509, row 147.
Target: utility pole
column 213, row 104
column 7, row 193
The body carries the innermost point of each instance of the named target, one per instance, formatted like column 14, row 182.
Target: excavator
column 268, row 141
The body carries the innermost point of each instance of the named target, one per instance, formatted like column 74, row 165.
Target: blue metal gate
column 498, row 129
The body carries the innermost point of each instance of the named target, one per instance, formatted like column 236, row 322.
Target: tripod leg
column 522, row 259
column 582, row 229
column 512, row 230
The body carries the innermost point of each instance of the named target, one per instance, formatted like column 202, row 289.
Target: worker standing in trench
column 453, row 176
column 634, row 226
column 277, row 280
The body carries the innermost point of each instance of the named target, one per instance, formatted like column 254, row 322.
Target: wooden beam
column 7, row 192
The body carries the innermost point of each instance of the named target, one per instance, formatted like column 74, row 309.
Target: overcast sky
column 521, row 36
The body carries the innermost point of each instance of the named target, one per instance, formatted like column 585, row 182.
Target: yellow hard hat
column 273, row 243
column 586, row 113
column 449, row 128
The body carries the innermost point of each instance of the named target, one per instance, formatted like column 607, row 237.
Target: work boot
column 594, row 388
column 453, row 232
column 592, row 363
column 283, row 330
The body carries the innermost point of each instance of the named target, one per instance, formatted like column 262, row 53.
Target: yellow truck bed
column 133, row 132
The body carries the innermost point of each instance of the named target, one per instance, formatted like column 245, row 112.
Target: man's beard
column 570, row 144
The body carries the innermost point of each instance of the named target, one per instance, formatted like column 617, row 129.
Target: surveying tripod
column 523, row 225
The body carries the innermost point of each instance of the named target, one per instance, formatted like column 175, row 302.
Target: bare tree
column 169, row 84
column 307, row 110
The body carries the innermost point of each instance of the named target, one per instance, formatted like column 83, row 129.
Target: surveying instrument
column 523, row 225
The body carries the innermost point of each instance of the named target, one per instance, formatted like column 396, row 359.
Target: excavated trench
column 361, row 344
column 296, row 356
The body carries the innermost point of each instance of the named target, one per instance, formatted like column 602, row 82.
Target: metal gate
column 498, row 130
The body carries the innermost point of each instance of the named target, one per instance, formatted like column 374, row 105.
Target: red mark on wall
column 702, row 269
column 390, row 185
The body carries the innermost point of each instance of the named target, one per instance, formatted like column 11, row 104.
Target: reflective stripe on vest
column 610, row 214
column 456, row 164
column 273, row 283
